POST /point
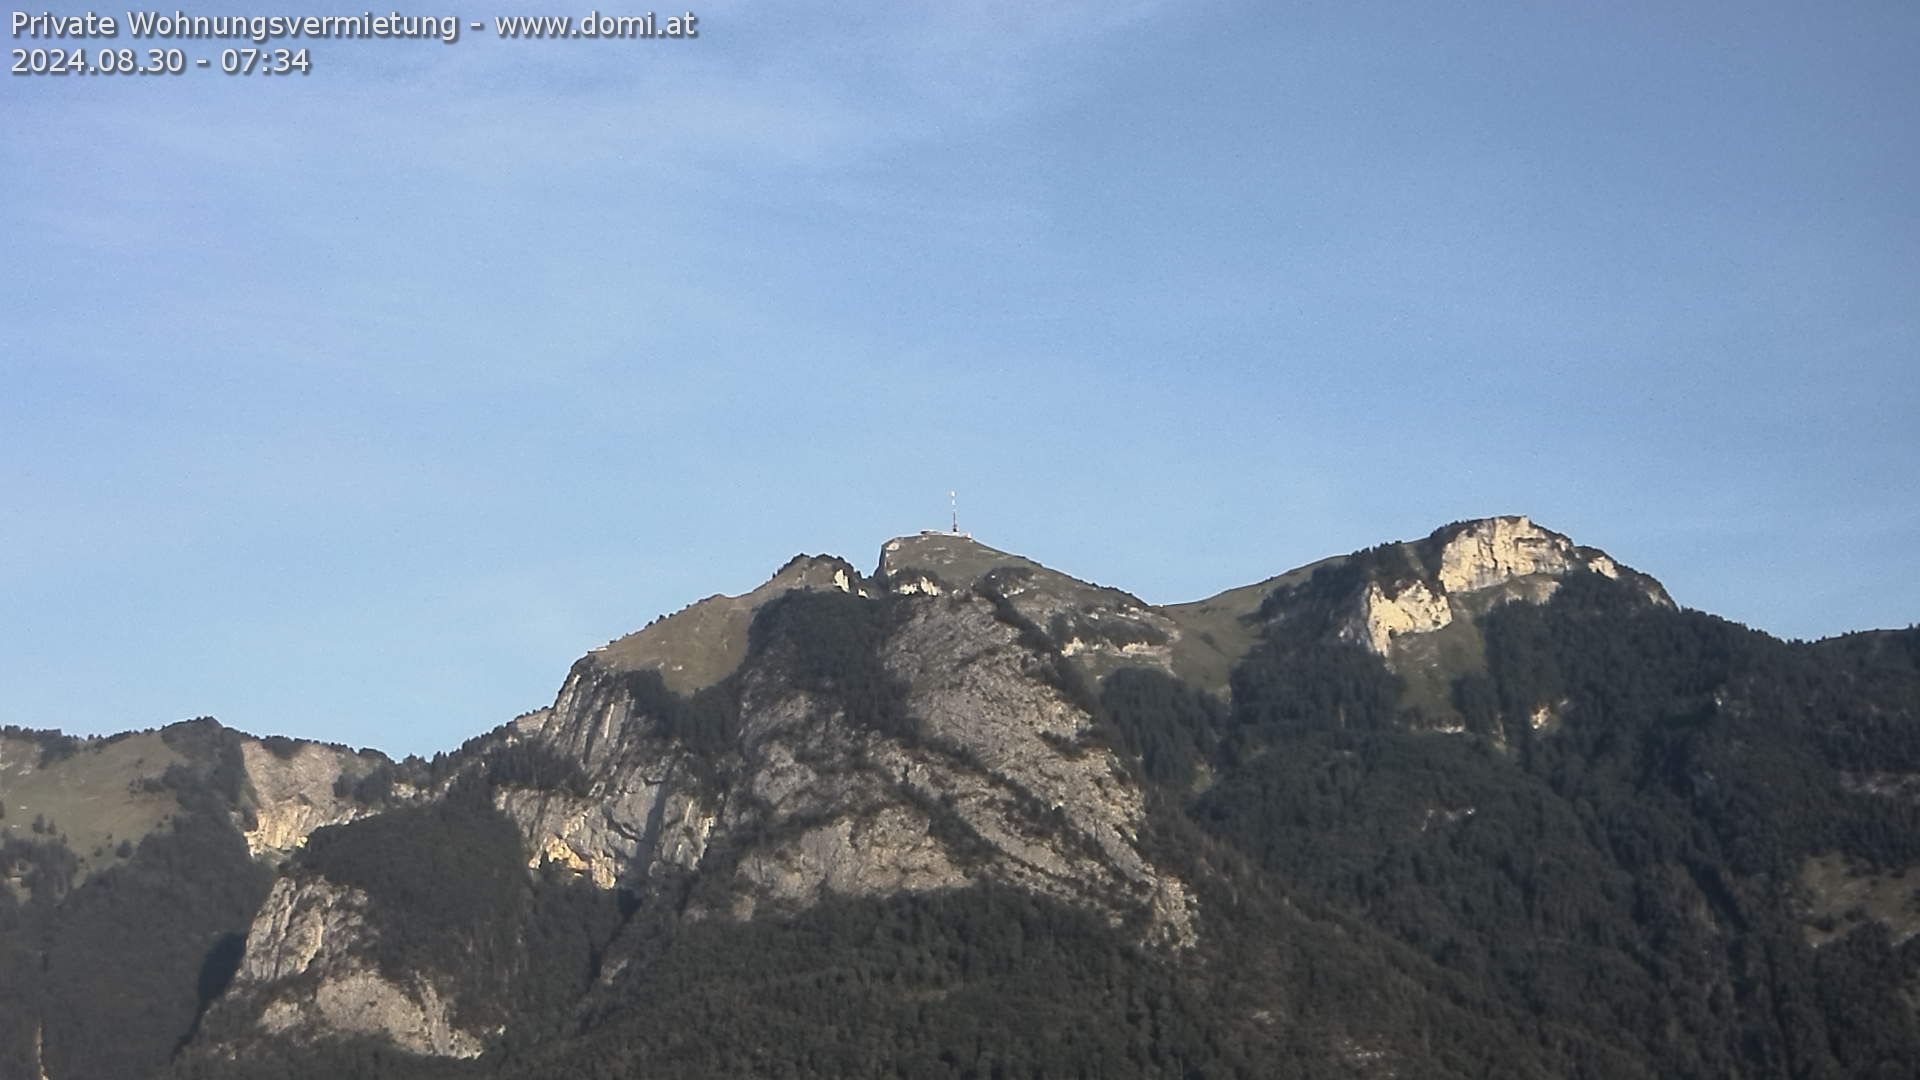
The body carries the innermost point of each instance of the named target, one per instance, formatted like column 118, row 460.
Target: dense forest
column 1627, row 873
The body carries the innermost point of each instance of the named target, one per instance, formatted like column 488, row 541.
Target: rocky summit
column 1485, row 803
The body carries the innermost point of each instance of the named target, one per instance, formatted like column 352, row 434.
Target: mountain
column 1488, row 803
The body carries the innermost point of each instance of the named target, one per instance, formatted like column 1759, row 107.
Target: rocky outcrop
column 1379, row 618
column 1062, row 816
column 1100, row 628
column 1496, row 550
column 631, row 826
column 308, row 974
column 641, row 810
column 1837, row 893
column 1463, row 570
column 293, row 794
column 993, row 783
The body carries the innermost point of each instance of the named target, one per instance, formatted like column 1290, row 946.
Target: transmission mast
column 953, row 501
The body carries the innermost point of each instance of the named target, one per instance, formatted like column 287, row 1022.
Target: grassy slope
column 94, row 798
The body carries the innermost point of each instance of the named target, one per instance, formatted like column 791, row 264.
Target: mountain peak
column 936, row 562
column 1483, row 553
column 703, row 642
column 1390, row 595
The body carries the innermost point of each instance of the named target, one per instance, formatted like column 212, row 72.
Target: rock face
column 1378, row 618
column 1462, row 570
column 293, row 794
column 990, row 781
column 642, row 810
column 307, row 974
column 993, row 784
column 1101, row 628
column 1495, row 551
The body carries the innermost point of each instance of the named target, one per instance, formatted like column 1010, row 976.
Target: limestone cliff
column 990, row 782
column 1101, row 628
column 1384, row 598
column 307, row 973
column 1376, row 618
column 993, row 782
column 1492, row 552
column 293, row 792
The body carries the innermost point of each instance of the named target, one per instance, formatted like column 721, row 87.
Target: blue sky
column 357, row 406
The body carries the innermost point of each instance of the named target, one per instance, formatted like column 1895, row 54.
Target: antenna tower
column 953, row 501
